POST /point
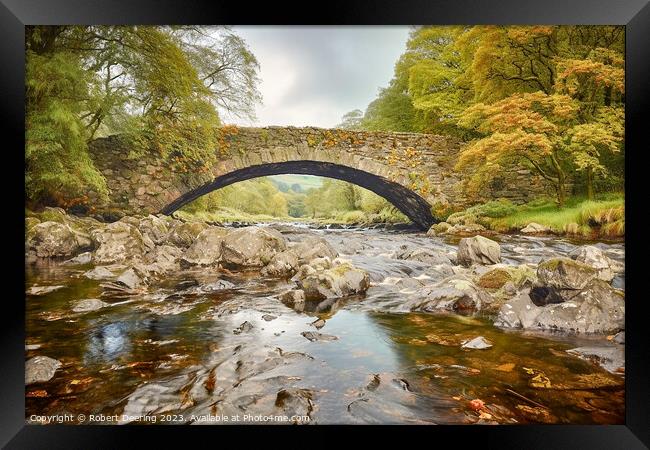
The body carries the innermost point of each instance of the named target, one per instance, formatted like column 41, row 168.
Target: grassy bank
column 603, row 217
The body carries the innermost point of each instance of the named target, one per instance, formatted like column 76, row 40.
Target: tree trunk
column 590, row 183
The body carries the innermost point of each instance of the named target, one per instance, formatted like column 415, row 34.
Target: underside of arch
column 408, row 202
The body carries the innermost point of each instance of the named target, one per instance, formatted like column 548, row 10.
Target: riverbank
column 603, row 218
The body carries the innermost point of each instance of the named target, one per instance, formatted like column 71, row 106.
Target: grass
column 603, row 217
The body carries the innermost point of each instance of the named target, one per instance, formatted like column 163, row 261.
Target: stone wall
column 423, row 163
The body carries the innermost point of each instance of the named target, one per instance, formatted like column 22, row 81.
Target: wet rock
column 40, row 369
column 294, row 402
column 311, row 248
column 535, row 228
column 611, row 358
column 425, row 255
column 339, row 281
column 56, row 240
column 478, row 250
column 207, row 247
column 118, row 241
column 455, row 293
column 542, row 295
column 151, row 398
column 243, row 328
column 594, row 257
column 598, row 308
column 209, row 288
column 318, row 324
column 131, row 278
column 83, row 258
column 154, row 228
column 294, row 299
column 314, row 336
column 99, row 273
column 478, row 343
column 520, row 312
column 564, row 273
column 88, row 304
column 182, row 235
column 269, row 317
column 42, row 290
column 283, row 264
column 619, row 338
column 251, row 247
column 163, row 259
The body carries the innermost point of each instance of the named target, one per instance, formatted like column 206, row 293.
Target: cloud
column 314, row 75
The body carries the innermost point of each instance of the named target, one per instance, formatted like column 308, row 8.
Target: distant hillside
column 306, row 182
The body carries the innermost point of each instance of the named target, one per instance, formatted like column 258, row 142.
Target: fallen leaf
column 477, row 404
column 485, row 415
column 37, row 394
column 456, row 398
column 507, row 367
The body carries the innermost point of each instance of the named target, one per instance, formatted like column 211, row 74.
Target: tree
column 162, row 87
column 351, row 120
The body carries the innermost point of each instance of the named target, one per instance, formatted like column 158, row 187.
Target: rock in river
column 206, row 248
column 251, row 246
column 283, row 264
column 454, row 293
column 56, row 240
column 338, row 281
column 598, row 308
column 311, row 248
column 314, row 336
column 40, row 369
column 118, row 241
column 594, row 257
column 89, row 304
column 478, row 250
column 478, row 343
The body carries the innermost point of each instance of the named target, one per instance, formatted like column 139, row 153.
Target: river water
column 177, row 357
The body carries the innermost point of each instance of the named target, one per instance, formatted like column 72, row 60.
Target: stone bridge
column 412, row 171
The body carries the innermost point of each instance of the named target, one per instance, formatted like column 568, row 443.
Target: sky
column 314, row 75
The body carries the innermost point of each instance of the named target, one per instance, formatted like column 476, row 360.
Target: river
column 178, row 358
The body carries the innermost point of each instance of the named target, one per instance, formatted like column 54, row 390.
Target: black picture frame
column 634, row 14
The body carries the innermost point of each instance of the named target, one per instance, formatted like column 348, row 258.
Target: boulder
column 535, row 228
column 40, row 369
column 423, row 254
column 132, row 278
column 154, row 228
column 454, row 293
column 495, row 278
column 611, row 358
column 283, row 264
column 118, row 241
column 597, row 308
column 88, row 304
column 478, row 343
column 183, row 234
column 56, row 240
column 251, row 247
column 339, row 281
column 207, row 247
column 594, row 257
column 468, row 229
column 478, row 250
column 99, row 273
column 163, row 259
column 294, row 299
column 564, row 274
column 314, row 336
column 313, row 247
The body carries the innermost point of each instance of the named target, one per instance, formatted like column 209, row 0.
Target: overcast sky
column 314, row 75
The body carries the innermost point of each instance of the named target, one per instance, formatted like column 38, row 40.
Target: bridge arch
column 408, row 202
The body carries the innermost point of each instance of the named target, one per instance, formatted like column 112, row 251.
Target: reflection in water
column 385, row 367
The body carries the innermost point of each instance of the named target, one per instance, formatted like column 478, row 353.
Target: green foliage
column 162, row 87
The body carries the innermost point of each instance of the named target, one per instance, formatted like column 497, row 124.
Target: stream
column 165, row 356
